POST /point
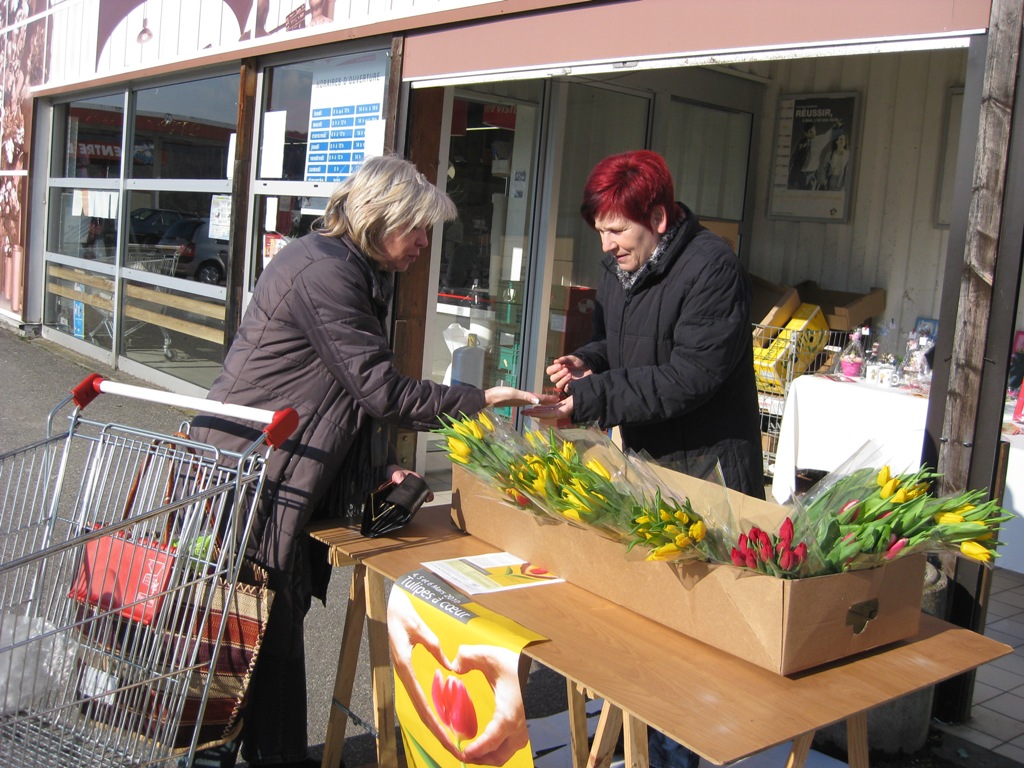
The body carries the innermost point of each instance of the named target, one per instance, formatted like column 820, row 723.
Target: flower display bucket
column 781, row 625
column 851, row 368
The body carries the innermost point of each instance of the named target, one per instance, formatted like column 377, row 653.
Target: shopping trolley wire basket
column 96, row 668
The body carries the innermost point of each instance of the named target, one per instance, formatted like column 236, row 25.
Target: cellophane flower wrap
column 490, row 448
column 863, row 516
column 581, row 476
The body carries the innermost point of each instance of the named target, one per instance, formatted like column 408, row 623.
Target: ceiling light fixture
column 145, row 34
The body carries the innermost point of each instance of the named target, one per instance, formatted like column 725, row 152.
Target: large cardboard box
column 844, row 311
column 778, row 624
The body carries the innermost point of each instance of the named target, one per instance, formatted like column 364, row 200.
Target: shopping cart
column 158, row 261
column 89, row 678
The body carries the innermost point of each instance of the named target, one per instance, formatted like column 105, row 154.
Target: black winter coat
column 673, row 360
column 314, row 338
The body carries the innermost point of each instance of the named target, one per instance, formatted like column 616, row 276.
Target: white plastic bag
column 35, row 661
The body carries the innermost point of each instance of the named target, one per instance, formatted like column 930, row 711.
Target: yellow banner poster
column 459, row 672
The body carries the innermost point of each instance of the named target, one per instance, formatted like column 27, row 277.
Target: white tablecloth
column 825, row 422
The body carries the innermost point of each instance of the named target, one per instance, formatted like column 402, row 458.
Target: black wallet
column 392, row 506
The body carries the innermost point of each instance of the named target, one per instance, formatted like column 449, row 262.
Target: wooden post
column 984, row 219
column 245, row 128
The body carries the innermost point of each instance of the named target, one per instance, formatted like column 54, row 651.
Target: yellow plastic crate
column 792, row 351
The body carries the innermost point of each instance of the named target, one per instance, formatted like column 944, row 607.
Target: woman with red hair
column 671, row 360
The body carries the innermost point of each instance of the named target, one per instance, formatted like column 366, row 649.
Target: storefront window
column 175, row 331
column 577, row 266
column 323, row 117
column 281, row 219
column 141, row 274
column 83, row 223
column 80, row 303
column 185, row 131
column 92, row 137
column 710, row 167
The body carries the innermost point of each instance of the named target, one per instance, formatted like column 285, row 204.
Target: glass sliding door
column 598, row 122
column 475, row 331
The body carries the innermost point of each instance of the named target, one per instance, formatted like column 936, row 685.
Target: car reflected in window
column 200, row 257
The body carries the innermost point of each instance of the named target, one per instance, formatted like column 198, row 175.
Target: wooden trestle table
column 717, row 704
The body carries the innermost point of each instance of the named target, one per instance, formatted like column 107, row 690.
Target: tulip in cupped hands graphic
column 454, row 706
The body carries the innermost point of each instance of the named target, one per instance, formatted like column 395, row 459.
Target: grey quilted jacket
column 314, row 338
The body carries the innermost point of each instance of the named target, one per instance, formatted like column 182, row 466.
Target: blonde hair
column 387, row 195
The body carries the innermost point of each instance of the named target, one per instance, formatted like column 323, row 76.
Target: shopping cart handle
column 280, row 424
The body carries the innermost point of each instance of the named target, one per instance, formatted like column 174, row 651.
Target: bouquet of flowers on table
column 580, row 477
column 862, row 516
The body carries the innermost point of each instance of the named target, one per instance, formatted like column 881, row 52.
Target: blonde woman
column 314, row 338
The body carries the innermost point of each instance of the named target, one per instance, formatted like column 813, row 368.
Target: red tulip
column 738, row 558
column 452, row 702
column 786, row 559
column 895, row 549
column 800, row 553
column 786, row 531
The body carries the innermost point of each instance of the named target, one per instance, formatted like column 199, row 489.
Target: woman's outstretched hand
column 515, row 397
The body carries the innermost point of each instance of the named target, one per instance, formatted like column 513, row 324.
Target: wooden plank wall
column 892, row 239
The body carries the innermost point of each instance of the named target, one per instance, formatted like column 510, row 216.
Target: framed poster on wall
column 816, row 143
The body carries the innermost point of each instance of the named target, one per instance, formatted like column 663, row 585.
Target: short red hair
column 633, row 184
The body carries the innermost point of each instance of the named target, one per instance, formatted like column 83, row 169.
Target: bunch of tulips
column 549, row 474
column 870, row 516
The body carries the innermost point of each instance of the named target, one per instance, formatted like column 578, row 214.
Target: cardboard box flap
column 844, row 311
column 772, row 307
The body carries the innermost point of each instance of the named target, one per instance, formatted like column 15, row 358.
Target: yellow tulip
column 683, row 541
column 643, row 519
column 598, row 468
column 884, row 475
column 572, row 514
column 568, row 451
column 577, row 502
column 460, row 459
column 459, row 448
column 485, row 422
column 948, row 518
column 474, row 429
column 462, row 429
column 665, row 515
column 889, row 488
column 976, row 551
column 664, row 552
column 672, row 530
column 682, row 517
column 698, row 530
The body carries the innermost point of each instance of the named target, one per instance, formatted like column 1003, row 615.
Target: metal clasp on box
column 860, row 614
